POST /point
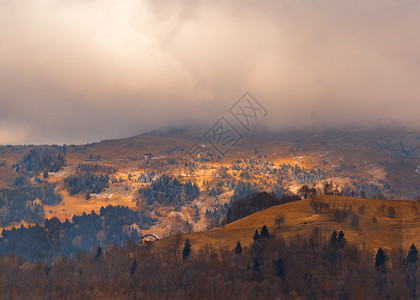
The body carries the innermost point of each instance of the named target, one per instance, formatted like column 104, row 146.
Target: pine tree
column 133, row 268
column 333, row 238
column 380, row 259
column 412, row 255
column 238, row 249
column 229, row 216
column 341, row 241
column 280, row 269
column 256, row 236
column 264, row 233
column 187, row 249
column 98, row 253
column 256, row 265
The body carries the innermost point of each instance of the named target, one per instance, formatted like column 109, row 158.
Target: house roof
column 149, row 235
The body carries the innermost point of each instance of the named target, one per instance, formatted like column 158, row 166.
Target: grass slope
column 386, row 232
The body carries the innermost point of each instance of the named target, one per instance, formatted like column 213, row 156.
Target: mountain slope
column 361, row 163
column 384, row 231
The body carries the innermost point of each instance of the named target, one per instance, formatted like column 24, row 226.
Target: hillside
column 115, row 192
column 312, row 266
column 358, row 163
column 386, row 232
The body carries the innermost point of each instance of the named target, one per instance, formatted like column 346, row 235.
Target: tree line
column 113, row 224
column 316, row 266
column 86, row 181
column 167, row 190
column 42, row 159
column 256, row 202
column 18, row 203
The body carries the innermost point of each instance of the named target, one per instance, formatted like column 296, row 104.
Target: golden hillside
column 376, row 227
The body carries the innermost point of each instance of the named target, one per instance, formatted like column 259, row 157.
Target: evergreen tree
column 256, row 236
column 341, row 241
column 264, row 233
column 187, row 249
column 412, row 255
column 133, row 268
column 98, row 252
column 333, row 238
column 338, row 240
column 280, row 269
column 229, row 216
column 380, row 259
column 238, row 249
column 256, row 265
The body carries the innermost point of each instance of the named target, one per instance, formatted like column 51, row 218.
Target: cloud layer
column 77, row 71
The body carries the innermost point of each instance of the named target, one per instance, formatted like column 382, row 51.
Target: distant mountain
column 185, row 179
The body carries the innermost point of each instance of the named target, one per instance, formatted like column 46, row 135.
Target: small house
column 148, row 239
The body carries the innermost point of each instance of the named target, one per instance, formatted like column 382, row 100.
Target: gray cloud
column 77, row 71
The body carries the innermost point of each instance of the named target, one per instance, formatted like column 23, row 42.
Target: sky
column 76, row 71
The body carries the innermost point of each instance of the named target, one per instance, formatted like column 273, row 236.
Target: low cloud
column 78, row 71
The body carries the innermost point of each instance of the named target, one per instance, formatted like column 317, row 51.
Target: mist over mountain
column 209, row 149
column 79, row 71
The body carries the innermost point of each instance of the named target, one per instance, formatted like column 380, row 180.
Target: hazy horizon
column 82, row 71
